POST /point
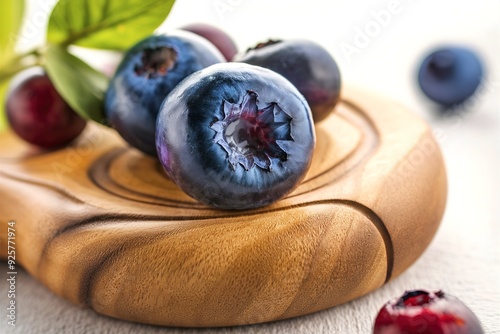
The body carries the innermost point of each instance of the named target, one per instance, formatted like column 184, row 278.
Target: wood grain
column 102, row 226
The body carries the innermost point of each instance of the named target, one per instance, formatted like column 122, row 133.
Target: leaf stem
column 20, row 56
column 18, row 63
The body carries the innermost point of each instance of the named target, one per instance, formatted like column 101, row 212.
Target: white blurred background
column 464, row 258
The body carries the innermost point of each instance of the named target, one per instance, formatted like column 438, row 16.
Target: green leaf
column 3, row 119
column 105, row 24
column 81, row 86
column 10, row 22
column 12, row 15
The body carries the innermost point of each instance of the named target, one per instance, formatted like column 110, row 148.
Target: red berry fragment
column 38, row 114
column 421, row 311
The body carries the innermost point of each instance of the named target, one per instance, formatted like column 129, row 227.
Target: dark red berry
column 216, row 36
column 430, row 312
column 38, row 114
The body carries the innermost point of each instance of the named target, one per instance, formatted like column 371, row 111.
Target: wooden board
column 102, row 226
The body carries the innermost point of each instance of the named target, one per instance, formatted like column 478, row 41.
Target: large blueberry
column 235, row 136
column 148, row 72
column 307, row 65
column 450, row 75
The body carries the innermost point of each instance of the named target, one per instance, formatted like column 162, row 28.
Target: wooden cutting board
column 102, row 226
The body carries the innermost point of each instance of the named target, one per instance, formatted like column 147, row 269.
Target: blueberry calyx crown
column 252, row 136
column 442, row 63
column 264, row 44
column 156, row 62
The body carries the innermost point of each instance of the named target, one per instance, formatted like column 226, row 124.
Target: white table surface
column 464, row 257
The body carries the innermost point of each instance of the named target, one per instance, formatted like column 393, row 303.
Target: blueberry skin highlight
column 450, row 75
column 305, row 64
column 200, row 136
column 148, row 72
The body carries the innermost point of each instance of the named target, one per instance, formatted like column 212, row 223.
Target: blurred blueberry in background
column 450, row 75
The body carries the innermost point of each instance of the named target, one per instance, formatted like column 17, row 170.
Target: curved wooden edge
column 412, row 199
column 346, row 231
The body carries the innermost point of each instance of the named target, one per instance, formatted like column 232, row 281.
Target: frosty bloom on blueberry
column 242, row 131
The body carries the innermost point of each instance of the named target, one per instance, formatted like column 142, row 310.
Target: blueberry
column 450, row 75
column 235, row 136
column 148, row 72
column 305, row 64
column 216, row 36
column 38, row 114
column 422, row 311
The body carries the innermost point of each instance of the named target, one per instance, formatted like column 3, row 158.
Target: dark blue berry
column 450, row 75
column 148, row 72
column 235, row 136
column 305, row 64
